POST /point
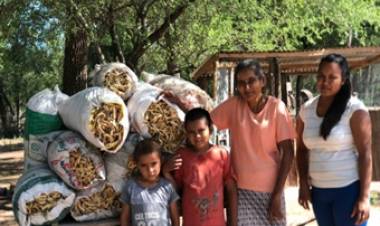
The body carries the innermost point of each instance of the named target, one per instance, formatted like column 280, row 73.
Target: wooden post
column 232, row 82
column 277, row 76
column 215, row 82
column 375, row 119
column 299, row 84
column 284, row 91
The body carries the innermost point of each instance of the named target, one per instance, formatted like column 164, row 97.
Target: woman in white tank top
column 334, row 149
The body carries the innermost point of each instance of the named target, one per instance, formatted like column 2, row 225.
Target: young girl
column 201, row 172
column 149, row 199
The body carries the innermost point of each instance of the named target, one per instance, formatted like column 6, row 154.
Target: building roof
column 290, row 62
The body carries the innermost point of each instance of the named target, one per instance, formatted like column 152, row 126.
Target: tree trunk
column 75, row 62
column 117, row 50
column 5, row 116
column 17, row 120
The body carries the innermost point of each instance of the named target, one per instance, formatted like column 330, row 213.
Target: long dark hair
column 145, row 147
column 337, row 107
column 252, row 65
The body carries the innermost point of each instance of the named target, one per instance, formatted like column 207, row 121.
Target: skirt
column 253, row 209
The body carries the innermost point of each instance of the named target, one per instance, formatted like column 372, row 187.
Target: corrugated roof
column 291, row 62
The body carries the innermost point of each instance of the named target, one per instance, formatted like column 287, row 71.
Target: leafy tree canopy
column 166, row 36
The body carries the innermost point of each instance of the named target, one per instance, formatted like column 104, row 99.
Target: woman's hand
column 275, row 210
column 361, row 211
column 304, row 196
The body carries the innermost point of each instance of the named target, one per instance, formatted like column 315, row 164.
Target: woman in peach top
column 261, row 146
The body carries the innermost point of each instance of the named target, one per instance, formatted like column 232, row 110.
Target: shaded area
column 11, row 166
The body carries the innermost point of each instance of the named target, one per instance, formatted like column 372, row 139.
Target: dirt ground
column 11, row 166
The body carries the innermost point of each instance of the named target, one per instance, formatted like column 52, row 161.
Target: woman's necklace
column 259, row 105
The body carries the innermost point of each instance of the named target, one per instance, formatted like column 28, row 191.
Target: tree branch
column 168, row 20
column 126, row 5
column 142, row 46
column 4, row 97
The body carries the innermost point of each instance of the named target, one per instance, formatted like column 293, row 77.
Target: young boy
column 201, row 171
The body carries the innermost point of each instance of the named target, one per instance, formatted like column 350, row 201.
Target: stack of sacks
column 85, row 139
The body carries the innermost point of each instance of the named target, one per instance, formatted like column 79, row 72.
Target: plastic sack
column 152, row 115
column 117, row 77
column 185, row 90
column 119, row 165
column 42, row 112
column 41, row 125
column 97, row 203
column 76, row 162
column 30, row 196
column 149, row 77
column 86, row 206
column 35, row 149
column 99, row 115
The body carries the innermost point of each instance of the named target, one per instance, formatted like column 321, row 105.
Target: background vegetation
column 47, row 42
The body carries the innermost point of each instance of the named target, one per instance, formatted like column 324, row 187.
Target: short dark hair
column 252, row 65
column 198, row 113
column 146, row 146
column 338, row 106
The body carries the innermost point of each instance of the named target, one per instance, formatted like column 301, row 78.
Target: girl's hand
column 275, row 210
column 173, row 163
column 361, row 211
column 304, row 196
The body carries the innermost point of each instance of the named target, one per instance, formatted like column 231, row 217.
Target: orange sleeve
column 221, row 114
column 284, row 123
column 228, row 172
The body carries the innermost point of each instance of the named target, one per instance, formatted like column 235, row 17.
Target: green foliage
column 208, row 27
column 32, row 33
column 30, row 55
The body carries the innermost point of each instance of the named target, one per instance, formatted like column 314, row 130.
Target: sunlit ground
column 11, row 165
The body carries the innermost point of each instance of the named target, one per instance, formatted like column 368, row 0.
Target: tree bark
column 5, row 116
column 117, row 51
column 75, row 62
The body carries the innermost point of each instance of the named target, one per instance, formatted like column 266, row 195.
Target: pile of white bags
column 41, row 125
column 68, row 134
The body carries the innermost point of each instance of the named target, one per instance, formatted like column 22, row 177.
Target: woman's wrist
column 363, row 197
column 304, row 183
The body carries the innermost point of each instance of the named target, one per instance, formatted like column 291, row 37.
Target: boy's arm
column 174, row 213
column 125, row 216
column 231, row 192
column 173, row 164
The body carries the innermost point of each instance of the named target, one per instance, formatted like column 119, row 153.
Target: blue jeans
column 333, row 206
